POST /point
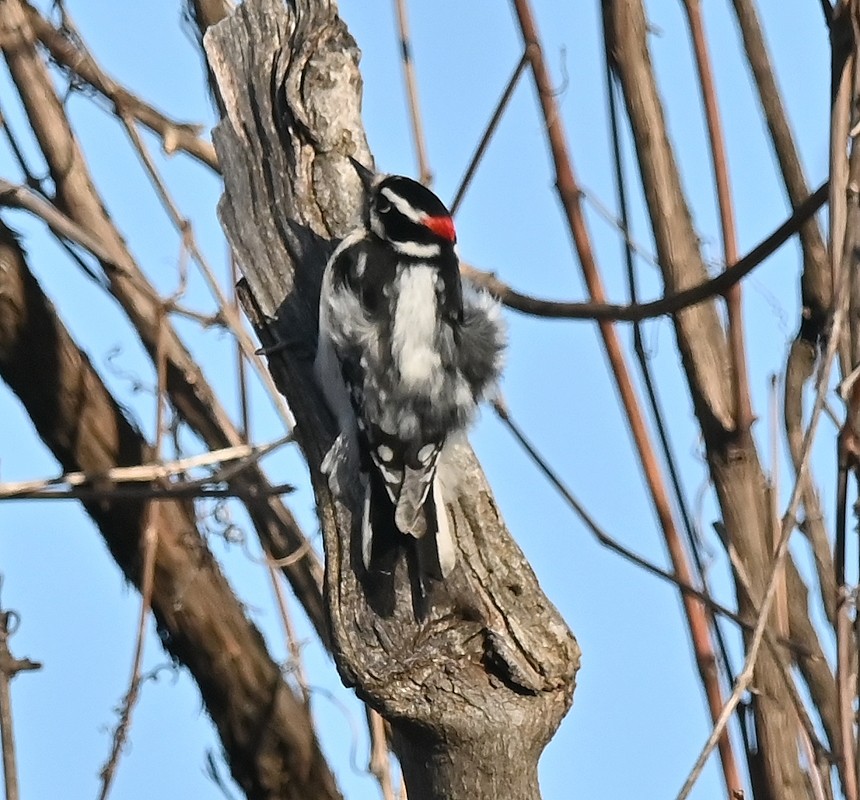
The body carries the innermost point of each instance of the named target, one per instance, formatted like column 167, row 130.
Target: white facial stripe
column 416, row 250
column 402, row 206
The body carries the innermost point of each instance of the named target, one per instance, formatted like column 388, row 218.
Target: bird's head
column 405, row 214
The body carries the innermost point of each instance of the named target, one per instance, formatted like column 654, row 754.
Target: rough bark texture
column 476, row 689
column 732, row 457
column 265, row 729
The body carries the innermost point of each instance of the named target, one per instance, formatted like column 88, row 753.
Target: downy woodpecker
column 406, row 352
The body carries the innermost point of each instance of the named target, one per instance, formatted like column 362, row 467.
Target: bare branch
column 488, row 133
column 845, row 233
column 74, row 56
column 9, row 668
column 265, row 729
column 815, row 284
column 190, row 393
column 243, row 453
column 821, row 758
column 425, row 175
column 842, row 102
column 671, row 303
column 732, row 457
column 189, row 490
column 789, row 523
column 743, row 409
column 149, row 545
column 295, row 667
column 697, row 619
column 380, row 756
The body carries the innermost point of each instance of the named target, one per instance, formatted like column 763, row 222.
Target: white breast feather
column 414, row 336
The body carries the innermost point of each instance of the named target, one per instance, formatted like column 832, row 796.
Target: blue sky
column 638, row 718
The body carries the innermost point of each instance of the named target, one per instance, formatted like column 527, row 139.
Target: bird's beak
column 366, row 175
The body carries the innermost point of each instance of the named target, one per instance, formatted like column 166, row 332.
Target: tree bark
column 265, row 729
column 476, row 688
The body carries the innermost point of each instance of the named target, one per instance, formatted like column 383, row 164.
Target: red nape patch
column 442, row 226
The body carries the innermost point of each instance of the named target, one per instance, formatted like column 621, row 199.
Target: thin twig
column 173, row 490
column 380, row 760
column 570, row 197
column 626, row 234
column 737, row 348
column 74, row 56
column 241, row 371
column 848, row 450
column 789, row 522
column 18, row 153
column 612, row 544
column 293, row 558
column 650, row 385
column 149, row 544
column 149, row 550
column 64, row 227
column 488, row 133
column 296, row 665
column 425, row 176
column 781, row 602
column 244, row 453
column 846, row 660
column 842, row 101
column 213, row 772
column 226, row 308
column 9, row 668
column 818, row 752
column 205, row 320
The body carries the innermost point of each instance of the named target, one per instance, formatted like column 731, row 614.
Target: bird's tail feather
column 436, row 556
column 381, row 536
column 412, row 514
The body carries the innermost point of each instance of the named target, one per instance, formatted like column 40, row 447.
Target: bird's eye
column 383, row 206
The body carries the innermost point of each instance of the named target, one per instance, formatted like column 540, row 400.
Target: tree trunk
column 476, row 688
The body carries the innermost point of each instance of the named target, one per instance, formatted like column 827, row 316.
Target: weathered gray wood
column 476, row 688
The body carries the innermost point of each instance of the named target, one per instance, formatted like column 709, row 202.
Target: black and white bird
column 406, row 352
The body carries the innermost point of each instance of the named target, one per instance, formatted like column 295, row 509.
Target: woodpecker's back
column 403, row 361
